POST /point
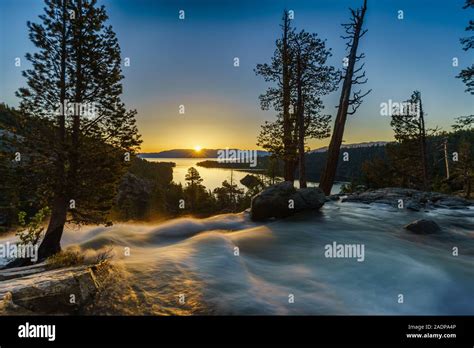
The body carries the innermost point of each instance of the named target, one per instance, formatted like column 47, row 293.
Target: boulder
column 423, row 227
column 282, row 200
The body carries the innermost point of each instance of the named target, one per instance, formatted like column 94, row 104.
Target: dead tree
column 352, row 76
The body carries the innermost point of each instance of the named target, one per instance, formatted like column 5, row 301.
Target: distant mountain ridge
column 190, row 153
column 212, row 153
column 353, row 146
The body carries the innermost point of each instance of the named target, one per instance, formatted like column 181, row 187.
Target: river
column 196, row 262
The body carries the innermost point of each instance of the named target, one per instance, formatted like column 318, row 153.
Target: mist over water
column 195, row 258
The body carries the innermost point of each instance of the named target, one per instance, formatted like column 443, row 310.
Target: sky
column 189, row 62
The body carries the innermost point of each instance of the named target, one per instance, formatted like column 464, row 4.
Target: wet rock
column 282, row 200
column 423, row 227
column 412, row 199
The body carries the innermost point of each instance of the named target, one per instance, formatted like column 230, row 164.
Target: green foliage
column 352, row 187
column 464, row 123
column 395, row 169
column 300, row 75
column 22, row 189
column 30, row 232
column 463, row 169
column 75, row 65
column 410, row 158
column 229, row 196
column 197, row 199
column 467, row 74
column 193, row 178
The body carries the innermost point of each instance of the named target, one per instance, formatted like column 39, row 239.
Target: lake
column 213, row 177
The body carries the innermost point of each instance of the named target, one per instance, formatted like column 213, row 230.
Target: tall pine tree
column 75, row 85
column 300, row 76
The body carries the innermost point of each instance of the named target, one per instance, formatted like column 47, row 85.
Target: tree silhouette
column 279, row 97
column 75, row 85
column 467, row 74
column 354, row 31
column 312, row 78
column 299, row 71
column 409, row 126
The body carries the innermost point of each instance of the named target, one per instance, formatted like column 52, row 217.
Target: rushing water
column 196, row 258
column 213, row 177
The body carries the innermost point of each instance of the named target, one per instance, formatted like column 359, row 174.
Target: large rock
column 282, row 200
column 41, row 291
column 423, row 227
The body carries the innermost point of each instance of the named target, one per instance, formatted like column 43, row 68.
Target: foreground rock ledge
column 412, row 199
column 282, row 200
column 36, row 290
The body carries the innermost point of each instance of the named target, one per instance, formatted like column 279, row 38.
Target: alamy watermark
column 86, row 109
column 28, row 330
column 345, row 251
column 392, row 108
column 237, row 156
column 19, row 251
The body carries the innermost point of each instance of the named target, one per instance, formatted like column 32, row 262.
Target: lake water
column 213, row 177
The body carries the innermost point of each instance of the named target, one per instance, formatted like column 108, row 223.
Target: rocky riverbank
column 406, row 198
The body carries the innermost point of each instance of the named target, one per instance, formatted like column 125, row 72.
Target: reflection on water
column 213, row 177
column 198, row 261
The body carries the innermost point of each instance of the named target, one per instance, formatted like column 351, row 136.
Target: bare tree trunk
column 51, row 242
column 288, row 166
column 424, row 161
column 446, row 161
column 329, row 173
column 300, row 128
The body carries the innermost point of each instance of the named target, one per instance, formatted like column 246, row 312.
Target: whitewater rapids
column 189, row 266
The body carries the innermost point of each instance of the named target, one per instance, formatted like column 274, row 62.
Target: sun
column 197, row 148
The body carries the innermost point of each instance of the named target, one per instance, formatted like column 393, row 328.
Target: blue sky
column 190, row 62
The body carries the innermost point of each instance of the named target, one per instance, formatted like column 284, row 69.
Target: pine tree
column 467, row 74
column 464, row 167
column 312, row 79
column 194, row 189
column 279, row 97
column 299, row 71
column 228, row 196
column 75, row 85
column 410, row 132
